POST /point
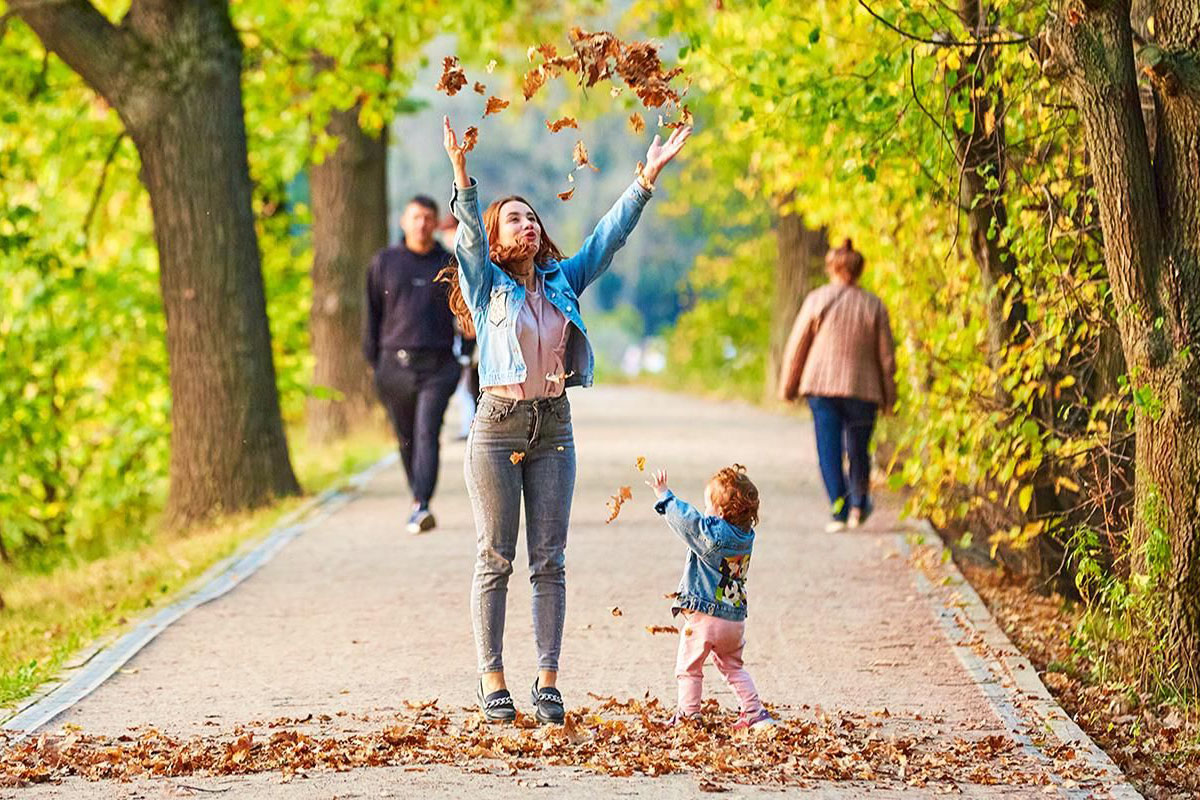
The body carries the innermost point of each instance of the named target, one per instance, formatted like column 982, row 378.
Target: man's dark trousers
column 415, row 387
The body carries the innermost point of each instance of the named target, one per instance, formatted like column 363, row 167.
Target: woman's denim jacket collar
column 495, row 298
column 714, row 576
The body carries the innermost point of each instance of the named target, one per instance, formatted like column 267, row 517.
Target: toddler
column 712, row 592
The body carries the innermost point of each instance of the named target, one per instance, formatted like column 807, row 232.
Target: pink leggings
column 703, row 634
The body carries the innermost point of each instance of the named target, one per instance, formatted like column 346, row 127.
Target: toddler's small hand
column 658, row 482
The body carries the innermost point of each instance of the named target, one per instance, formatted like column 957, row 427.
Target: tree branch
column 91, row 212
column 941, row 42
column 85, row 40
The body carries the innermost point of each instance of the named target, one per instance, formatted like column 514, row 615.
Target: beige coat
column 840, row 346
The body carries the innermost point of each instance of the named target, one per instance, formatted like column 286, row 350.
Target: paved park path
column 355, row 617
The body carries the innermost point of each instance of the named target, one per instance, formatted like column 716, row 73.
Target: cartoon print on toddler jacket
column 732, row 588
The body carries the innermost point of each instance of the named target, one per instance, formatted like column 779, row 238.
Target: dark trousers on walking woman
column 844, row 426
column 415, row 387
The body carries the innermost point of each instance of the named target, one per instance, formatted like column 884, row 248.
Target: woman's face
column 519, row 226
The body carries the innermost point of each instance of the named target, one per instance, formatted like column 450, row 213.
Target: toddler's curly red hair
column 736, row 496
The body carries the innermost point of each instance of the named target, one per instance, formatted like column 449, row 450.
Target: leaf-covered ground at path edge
column 618, row 738
column 1156, row 747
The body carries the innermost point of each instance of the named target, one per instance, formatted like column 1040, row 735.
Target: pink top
column 542, row 335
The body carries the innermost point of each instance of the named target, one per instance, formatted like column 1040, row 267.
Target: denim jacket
column 495, row 298
column 714, row 577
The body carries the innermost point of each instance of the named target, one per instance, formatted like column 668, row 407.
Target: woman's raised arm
column 470, row 241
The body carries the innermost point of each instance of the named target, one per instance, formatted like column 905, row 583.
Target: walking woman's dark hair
column 845, row 261
column 505, row 259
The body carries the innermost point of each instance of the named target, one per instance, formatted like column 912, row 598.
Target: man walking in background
column 409, row 340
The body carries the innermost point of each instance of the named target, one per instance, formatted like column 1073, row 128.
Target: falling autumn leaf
column 495, row 105
column 559, row 124
column 565, row 196
column 641, row 463
column 516, row 457
column 534, row 80
column 656, row 629
column 470, row 139
column 491, row 66
column 616, row 501
column 615, row 611
column 580, row 156
column 480, row 88
column 636, row 123
column 453, row 78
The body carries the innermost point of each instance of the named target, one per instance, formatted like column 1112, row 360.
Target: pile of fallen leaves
column 618, row 738
column 1156, row 746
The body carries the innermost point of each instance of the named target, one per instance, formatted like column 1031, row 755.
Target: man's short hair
column 425, row 201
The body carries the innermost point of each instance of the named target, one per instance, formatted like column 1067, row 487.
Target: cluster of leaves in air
column 617, row 738
column 595, row 56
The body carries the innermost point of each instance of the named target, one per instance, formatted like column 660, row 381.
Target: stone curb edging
column 95, row 664
column 1008, row 679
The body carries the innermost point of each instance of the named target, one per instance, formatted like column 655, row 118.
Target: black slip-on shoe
column 548, row 704
column 497, row 706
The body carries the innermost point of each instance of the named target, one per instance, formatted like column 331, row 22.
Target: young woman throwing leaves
column 520, row 294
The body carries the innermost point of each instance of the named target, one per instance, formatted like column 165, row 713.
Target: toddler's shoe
column 754, row 722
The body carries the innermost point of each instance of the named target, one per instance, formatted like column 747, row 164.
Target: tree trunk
column 980, row 151
column 349, row 206
column 1150, row 215
column 798, row 265
column 173, row 73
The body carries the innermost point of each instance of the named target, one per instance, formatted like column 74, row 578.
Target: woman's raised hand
column 661, row 153
column 456, row 153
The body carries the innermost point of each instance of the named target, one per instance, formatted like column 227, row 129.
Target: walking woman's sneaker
column 497, row 706
column 835, row 526
column 548, row 703
column 754, row 722
column 858, row 516
column 421, row 520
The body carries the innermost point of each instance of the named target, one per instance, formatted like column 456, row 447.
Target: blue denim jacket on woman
column 496, row 298
column 714, row 577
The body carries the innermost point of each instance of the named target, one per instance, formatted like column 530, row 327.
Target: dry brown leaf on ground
column 470, row 139
column 559, row 124
column 616, row 611
column 516, row 457
column 655, row 629
column 453, row 78
column 636, row 123
column 565, row 196
column 480, row 88
column 495, row 105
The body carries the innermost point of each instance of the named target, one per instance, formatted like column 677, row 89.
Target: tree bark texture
column 799, row 265
column 172, row 71
column 349, row 206
column 1150, row 215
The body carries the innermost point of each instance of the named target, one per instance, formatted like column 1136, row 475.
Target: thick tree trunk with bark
column 172, row 70
column 799, row 265
column 349, row 206
column 1150, row 214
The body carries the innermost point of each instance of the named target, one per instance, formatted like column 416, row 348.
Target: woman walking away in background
column 841, row 357
column 521, row 297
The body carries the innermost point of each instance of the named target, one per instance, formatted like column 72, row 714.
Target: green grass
column 50, row 616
